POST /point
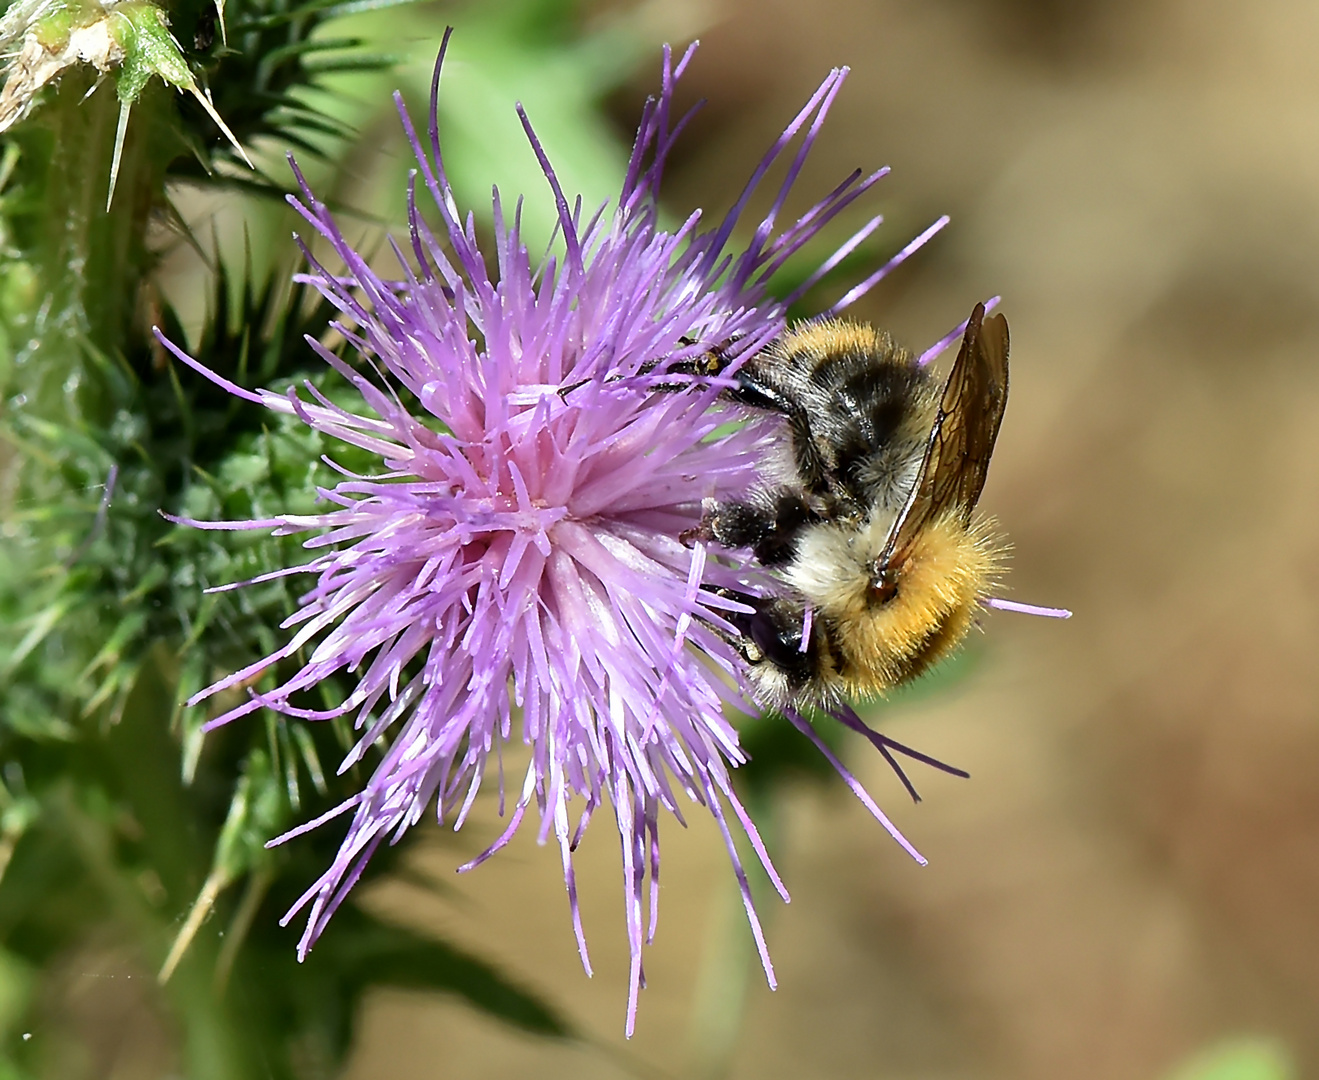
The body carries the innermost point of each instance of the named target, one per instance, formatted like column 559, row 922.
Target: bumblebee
column 870, row 524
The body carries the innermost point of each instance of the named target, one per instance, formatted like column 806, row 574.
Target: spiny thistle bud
column 130, row 38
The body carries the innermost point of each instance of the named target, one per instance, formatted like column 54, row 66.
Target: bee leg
column 756, row 389
column 750, row 389
column 711, row 362
column 759, row 393
column 704, row 532
column 769, row 526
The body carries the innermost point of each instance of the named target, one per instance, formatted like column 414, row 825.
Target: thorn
column 201, row 908
column 204, row 99
column 224, row 32
column 125, row 107
column 94, row 87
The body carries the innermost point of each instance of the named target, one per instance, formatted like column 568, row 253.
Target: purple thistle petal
column 1026, row 609
column 854, row 241
column 515, row 561
column 803, row 725
column 857, row 291
column 885, row 745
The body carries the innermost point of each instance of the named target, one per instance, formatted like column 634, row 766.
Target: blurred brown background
column 1133, row 872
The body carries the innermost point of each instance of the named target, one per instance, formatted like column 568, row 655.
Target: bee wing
column 956, row 461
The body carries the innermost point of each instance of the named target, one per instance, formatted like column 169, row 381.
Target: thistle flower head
column 513, row 570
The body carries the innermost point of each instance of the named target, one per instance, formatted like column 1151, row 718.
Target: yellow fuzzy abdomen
column 880, row 645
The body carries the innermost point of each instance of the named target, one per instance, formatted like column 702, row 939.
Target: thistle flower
column 515, row 565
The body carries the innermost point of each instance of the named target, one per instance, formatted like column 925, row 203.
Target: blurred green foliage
column 1238, row 1059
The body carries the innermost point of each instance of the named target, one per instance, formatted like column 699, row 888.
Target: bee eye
column 778, row 642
